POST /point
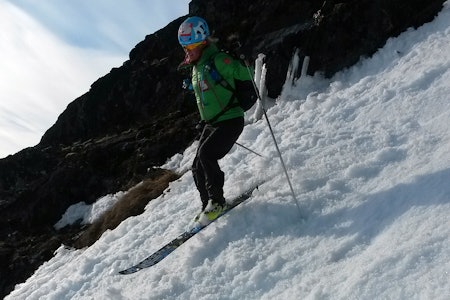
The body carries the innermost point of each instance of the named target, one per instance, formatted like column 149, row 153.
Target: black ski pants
column 215, row 142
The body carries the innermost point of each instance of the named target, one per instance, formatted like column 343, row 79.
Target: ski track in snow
column 368, row 155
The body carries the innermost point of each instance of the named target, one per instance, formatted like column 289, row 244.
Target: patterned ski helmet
column 192, row 30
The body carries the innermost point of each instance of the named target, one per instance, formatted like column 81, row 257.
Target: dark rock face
column 38, row 185
column 344, row 31
column 137, row 116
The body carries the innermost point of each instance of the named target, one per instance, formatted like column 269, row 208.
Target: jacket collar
column 208, row 52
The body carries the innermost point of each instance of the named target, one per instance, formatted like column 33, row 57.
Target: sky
column 367, row 152
column 52, row 51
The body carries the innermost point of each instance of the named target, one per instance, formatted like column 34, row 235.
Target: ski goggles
column 194, row 46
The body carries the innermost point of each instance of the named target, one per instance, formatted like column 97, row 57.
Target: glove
column 200, row 126
column 187, row 84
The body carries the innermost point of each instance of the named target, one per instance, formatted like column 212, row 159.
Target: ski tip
column 130, row 270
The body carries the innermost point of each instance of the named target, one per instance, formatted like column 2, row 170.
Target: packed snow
column 83, row 213
column 368, row 153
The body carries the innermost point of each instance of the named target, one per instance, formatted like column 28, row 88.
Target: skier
column 220, row 125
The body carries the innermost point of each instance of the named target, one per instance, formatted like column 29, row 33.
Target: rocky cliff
column 135, row 117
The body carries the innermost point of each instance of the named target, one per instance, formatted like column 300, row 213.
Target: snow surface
column 88, row 213
column 368, row 153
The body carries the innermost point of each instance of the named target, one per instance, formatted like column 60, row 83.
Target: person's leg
column 198, row 172
column 200, row 182
column 216, row 146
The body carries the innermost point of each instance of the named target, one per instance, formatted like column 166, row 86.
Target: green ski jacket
column 211, row 96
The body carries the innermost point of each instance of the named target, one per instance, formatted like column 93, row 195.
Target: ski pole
column 250, row 150
column 273, row 137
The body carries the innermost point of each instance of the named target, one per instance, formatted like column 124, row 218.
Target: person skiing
column 221, row 124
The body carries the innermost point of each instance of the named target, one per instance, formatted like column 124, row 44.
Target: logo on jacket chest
column 203, row 85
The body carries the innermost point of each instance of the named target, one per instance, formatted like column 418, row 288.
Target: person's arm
column 229, row 67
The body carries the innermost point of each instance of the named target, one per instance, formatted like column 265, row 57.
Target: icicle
column 260, row 80
column 258, row 66
column 293, row 69
column 290, row 76
column 305, row 67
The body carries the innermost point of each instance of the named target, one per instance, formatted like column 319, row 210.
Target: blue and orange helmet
column 193, row 30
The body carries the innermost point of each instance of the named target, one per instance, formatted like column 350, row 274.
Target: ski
column 162, row 253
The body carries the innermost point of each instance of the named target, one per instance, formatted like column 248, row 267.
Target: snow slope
column 368, row 153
